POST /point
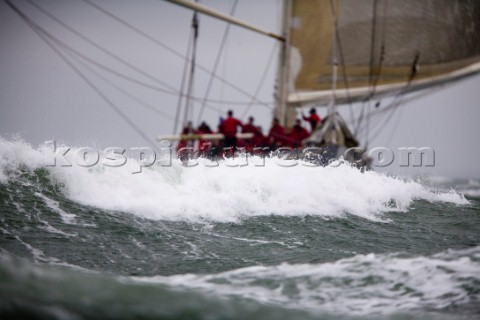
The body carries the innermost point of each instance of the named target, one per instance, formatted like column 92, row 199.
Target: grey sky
column 41, row 98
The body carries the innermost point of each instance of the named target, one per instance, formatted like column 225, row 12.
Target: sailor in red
column 314, row 119
column 203, row 145
column 276, row 136
column 249, row 127
column 184, row 147
column 259, row 143
column 230, row 125
column 297, row 134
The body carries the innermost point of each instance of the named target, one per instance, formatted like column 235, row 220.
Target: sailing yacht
column 336, row 52
column 333, row 53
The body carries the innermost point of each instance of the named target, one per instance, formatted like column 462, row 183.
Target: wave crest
column 224, row 193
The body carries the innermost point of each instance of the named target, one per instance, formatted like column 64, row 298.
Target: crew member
column 313, row 119
column 230, row 125
column 203, row 145
column 183, row 151
column 276, row 136
column 297, row 134
column 249, row 127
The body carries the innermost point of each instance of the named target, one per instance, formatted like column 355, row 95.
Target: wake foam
column 364, row 284
column 225, row 193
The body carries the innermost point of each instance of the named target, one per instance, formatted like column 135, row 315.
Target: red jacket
column 184, row 143
column 259, row 140
column 314, row 119
column 230, row 126
column 296, row 136
column 249, row 128
column 203, row 144
column 277, row 135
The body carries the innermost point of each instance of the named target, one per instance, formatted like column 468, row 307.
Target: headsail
column 383, row 46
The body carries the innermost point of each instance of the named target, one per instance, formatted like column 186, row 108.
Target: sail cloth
column 383, row 46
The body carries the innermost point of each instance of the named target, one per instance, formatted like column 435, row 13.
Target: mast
column 333, row 121
column 282, row 111
column 332, row 104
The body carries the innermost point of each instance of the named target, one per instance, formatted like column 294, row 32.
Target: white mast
column 282, row 111
column 332, row 104
column 332, row 123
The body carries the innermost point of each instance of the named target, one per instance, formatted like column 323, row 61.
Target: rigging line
column 126, row 77
column 136, row 81
column 176, row 53
column 391, row 109
column 405, row 100
column 192, row 66
column 424, row 20
column 262, row 79
column 102, row 66
column 133, row 80
column 360, row 118
column 393, row 105
column 217, row 60
column 371, row 68
column 344, row 74
column 222, row 88
column 367, row 132
column 182, row 86
column 371, row 114
column 331, row 107
column 131, row 96
column 30, row 23
column 412, row 98
column 373, row 42
column 102, row 49
column 397, row 121
column 344, row 67
column 413, row 72
column 371, row 82
column 381, row 60
column 386, row 120
column 91, row 61
column 342, row 59
column 376, row 76
column 399, row 97
column 116, row 73
column 382, row 48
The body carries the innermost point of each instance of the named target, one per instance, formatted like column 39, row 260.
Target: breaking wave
column 363, row 284
column 222, row 193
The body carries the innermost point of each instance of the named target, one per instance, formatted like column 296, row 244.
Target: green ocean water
column 180, row 243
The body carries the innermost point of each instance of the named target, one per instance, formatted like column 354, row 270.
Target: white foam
column 49, row 228
column 68, row 218
column 226, row 193
column 14, row 154
column 364, row 284
column 37, row 254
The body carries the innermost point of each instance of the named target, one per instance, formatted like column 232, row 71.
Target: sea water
column 233, row 242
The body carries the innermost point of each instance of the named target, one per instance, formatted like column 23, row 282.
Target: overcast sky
column 42, row 98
